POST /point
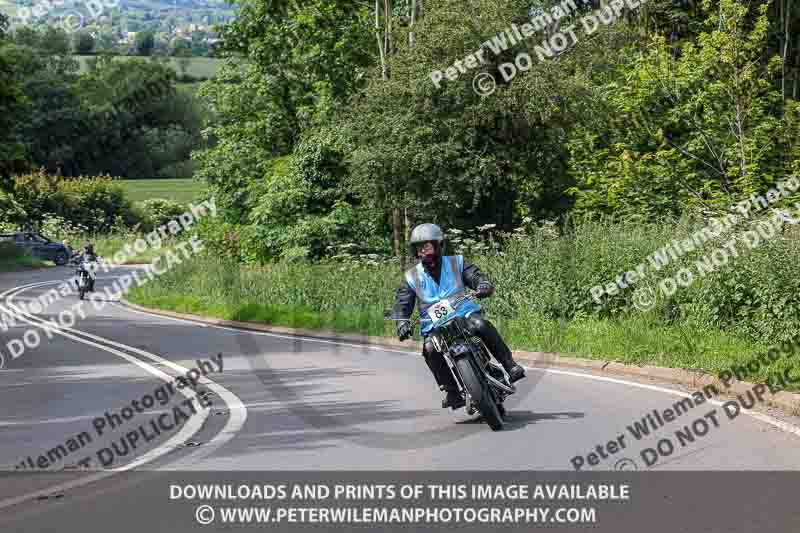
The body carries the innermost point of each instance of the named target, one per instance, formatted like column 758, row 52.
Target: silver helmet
column 425, row 233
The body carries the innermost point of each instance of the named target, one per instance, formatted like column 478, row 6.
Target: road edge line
column 789, row 402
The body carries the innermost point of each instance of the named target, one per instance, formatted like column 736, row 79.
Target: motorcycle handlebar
column 455, row 303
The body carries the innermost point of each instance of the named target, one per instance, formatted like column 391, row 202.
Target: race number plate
column 440, row 310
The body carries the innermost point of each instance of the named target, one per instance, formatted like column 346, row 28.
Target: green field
column 8, row 8
column 178, row 190
column 199, row 67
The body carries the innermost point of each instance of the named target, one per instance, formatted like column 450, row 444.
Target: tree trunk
column 782, row 42
column 387, row 32
column 397, row 227
column 406, row 230
column 796, row 69
column 381, row 49
column 412, row 37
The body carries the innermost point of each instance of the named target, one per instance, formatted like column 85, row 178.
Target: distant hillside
column 168, row 16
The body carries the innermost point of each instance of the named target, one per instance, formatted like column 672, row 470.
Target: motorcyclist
column 437, row 277
column 88, row 255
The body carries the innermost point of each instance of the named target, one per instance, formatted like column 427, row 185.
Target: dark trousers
column 479, row 327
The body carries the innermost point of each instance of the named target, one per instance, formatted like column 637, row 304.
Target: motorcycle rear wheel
column 480, row 393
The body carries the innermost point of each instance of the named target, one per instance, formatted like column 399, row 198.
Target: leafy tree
column 696, row 130
column 84, row 43
column 145, row 43
column 447, row 154
column 27, row 36
column 47, row 126
column 55, row 41
column 10, row 209
column 106, row 42
column 310, row 55
column 325, row 112
column 181, row 48
column 138, row 122
column 12, row 106
column 289, row 67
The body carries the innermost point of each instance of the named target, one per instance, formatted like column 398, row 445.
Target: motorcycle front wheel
column 480, row 393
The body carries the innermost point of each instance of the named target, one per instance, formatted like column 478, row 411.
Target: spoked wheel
column 481, row 394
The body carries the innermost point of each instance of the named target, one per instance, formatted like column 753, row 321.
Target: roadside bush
column 755, row 295
column 10, row 209
column 13, row 257
column 97, row 203
column 9, row 250
column 220, row 238
column 56, row 227
column 159, row 211
column 543, row 277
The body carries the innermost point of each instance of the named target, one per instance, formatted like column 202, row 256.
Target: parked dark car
column 40, row 247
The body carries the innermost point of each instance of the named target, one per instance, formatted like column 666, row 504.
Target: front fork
column 452, row 365
column 441, row 346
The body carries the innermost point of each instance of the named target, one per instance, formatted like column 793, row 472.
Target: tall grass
column 542, row 303
column 316, row 296
column 755, row 295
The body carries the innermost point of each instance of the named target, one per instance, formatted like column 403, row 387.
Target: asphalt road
column 279, row 403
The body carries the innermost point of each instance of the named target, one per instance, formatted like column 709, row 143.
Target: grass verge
column 325, row 297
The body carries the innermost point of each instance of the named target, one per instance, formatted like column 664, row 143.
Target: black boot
column 516, row 373
column 454, row 399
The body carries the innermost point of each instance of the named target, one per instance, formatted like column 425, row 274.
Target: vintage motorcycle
column 482, row 381
column 86, row 272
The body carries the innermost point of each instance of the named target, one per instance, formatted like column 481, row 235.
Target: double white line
column 236, row 409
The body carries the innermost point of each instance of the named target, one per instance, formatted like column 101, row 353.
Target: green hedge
column 96, row 203
column 12, row 257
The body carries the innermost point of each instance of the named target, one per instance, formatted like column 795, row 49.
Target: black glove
column 484, row 290
column 404, row 330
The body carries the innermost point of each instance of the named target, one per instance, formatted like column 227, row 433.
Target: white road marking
column 758, row 416
column 789, row 428
column 237, row 411
column 784, row 426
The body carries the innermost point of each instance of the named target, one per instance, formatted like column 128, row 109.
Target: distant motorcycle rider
column 81, row 258
column 437, row 277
